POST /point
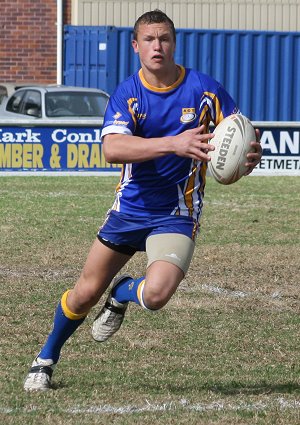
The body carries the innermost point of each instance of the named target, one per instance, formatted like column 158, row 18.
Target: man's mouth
column 158, row 57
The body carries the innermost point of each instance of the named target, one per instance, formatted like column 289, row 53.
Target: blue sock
column 63, row 328
column 129, row 290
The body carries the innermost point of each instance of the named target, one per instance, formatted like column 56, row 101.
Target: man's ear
column 135, row 46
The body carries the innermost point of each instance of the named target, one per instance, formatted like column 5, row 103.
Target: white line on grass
column 279, row 403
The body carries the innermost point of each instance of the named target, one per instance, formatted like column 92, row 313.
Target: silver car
column 7, row 89
column 52, row 103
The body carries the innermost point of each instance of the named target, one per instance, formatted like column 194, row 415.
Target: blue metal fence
column 259, row 69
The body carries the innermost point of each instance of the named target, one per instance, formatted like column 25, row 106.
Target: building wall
column 28, row 27
column 28, row 39
column 271, row 15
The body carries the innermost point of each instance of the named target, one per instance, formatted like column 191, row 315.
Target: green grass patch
column 225, row 350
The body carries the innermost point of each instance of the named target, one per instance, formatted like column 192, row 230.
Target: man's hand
column 254, row 158
column 194, row 144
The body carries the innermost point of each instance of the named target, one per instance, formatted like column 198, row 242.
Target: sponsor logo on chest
column 188, row 115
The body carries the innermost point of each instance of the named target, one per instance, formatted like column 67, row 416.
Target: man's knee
column 154, row 299
column 82, row 299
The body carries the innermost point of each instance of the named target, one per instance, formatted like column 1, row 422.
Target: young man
column 156, row 124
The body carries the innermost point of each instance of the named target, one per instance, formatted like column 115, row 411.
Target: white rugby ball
column 232, row 144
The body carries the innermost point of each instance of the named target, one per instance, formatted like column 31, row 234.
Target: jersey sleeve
column 119, row 115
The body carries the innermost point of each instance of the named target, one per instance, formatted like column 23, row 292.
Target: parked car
column 50, row 102
column 7, row 89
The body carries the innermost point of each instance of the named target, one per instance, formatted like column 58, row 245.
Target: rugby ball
column 232, row 144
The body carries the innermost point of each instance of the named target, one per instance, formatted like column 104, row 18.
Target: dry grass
column 224, row 351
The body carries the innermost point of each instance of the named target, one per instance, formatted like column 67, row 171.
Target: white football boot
column 39, row 375
column 111, row 316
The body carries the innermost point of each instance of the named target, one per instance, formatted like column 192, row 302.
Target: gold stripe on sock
column 139, row 292
column 68, row 313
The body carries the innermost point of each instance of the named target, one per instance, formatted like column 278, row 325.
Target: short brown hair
column 153, row 17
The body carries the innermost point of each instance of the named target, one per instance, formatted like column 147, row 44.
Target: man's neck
column 162, row 79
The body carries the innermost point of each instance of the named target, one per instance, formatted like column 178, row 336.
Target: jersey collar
column 163, row 89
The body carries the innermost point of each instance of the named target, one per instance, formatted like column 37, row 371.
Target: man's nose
column 157, row 44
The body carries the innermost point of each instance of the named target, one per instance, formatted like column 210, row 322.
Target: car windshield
column 75, row 104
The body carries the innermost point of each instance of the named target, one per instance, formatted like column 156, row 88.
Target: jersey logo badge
column 188, row 115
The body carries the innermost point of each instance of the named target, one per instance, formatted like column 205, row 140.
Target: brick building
column 28, row 34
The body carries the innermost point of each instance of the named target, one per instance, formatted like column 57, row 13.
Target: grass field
column 225, row 350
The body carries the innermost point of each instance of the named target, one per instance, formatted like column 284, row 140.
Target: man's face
column 155, row 45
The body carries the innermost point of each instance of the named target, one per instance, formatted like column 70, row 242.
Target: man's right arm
column 123, row 148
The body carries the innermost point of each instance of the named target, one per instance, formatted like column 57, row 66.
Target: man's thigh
column 101, row 266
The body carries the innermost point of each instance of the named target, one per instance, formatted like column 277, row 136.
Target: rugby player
column 157, row 125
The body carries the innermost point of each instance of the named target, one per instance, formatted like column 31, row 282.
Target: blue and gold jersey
column 169, row 185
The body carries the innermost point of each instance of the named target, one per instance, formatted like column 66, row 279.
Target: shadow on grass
column 236, row 388
column 231, row 388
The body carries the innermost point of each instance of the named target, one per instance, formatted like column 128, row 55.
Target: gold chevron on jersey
column 133, row 108
column 190, row 196
column 214, row 105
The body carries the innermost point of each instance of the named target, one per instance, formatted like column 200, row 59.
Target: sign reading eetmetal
column 281, row 151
